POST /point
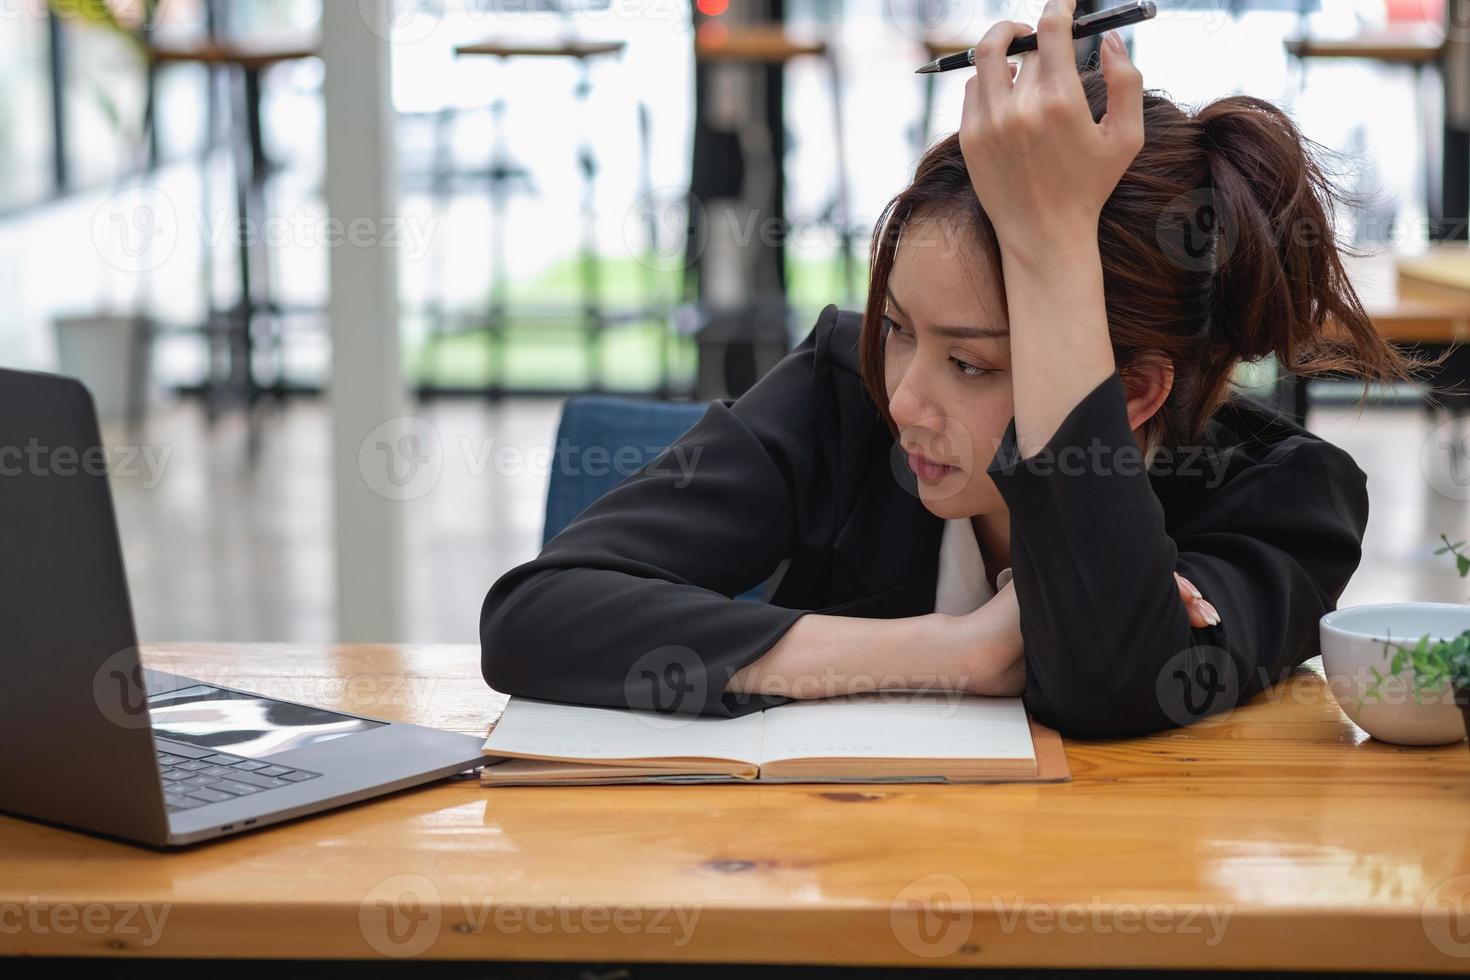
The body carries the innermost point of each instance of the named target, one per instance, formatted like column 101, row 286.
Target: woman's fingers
column 1054, row 42
column 1123, row 121
column 993, row 73
column 1201, row 612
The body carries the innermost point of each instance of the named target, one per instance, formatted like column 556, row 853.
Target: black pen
column 1085, row 26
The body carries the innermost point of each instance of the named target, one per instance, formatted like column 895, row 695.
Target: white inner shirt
column 962, row 586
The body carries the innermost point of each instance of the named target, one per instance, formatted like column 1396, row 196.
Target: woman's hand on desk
column 992, row 659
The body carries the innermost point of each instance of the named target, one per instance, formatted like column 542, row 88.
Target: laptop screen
column 246, row 724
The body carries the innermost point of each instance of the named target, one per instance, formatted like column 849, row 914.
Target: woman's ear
column 1147, row 381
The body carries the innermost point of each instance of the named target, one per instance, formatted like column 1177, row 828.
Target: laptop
column 89, row 738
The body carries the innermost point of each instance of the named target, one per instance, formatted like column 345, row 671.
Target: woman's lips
column 928, row 470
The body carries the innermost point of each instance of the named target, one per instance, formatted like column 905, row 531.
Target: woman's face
column 947, row 359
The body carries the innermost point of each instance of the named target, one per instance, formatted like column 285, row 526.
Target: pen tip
column 926, row 70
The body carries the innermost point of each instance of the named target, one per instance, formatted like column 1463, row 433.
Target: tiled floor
column 218, row 549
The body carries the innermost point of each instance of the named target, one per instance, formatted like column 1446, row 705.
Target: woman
column 1039, row 384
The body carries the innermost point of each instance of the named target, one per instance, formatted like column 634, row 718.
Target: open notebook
column 884, row 737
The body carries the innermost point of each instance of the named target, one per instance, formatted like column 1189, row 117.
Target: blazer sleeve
column 631, row 604
column 1108, row 645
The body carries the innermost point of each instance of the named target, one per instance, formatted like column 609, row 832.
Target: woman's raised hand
column 1039, row 164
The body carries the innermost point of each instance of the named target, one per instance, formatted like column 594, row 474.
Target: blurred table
column 1272, row 837
column 1404, row 310
column 501, row 174
column 251, row 167
column 1400, row 44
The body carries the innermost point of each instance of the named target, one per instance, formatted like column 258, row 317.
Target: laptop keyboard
column 195, row 777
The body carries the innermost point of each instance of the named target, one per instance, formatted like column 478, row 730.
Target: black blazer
column 631, row 604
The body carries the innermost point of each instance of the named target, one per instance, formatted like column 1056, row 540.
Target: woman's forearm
column 826, row 656
column 1056, row 304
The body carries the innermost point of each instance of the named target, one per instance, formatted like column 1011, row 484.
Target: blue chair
column 630, row 433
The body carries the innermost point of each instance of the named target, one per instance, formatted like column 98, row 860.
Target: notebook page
column 892, row 725
column 567, row 731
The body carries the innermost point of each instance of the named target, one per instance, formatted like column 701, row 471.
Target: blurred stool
column 737, row 344
column 772, row 44
column 505, row 176
column 235, row 328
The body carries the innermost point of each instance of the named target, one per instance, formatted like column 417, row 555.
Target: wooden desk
column 570, row 48
column 763, row 43
column 252, row 57
column 1277, row 838
column 1403, row 44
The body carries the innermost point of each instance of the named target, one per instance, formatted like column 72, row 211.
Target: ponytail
column 1279, row 285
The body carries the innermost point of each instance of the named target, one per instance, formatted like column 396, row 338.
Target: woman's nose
column 909, row 406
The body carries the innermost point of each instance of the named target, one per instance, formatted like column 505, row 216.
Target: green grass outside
column 551, row 353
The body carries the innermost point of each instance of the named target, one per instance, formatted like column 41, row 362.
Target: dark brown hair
column 1217, row 247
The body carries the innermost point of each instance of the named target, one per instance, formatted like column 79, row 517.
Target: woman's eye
column 891, row 327
column 969, row 370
